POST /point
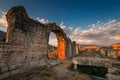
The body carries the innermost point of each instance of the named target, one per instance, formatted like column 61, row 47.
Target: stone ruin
column 108, row 52
column 26, row 44
column 105, row 52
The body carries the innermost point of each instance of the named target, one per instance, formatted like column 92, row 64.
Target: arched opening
column 52, row 46
column 59, row 51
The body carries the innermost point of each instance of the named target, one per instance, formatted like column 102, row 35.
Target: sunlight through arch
column 53, row 39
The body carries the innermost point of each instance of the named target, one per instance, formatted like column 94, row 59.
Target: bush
column 90, row 70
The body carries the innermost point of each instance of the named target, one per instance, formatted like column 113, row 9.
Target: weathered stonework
column 92, row 61
column 90, row 48
column 108, row 52
column 105, row 52
column 26, row 45
column 116, row 46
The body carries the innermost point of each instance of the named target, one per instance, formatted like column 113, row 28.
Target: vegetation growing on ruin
column 90, row 70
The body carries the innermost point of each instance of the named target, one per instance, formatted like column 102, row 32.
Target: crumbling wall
column 69, row 48
column 112, row 53
column 92, row 61
column 108, row 52
column 74, row 53
column 26, row 45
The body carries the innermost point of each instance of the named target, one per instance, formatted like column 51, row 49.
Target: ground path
column 57, row 72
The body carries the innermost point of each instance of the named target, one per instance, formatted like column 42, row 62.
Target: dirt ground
column 57, row 72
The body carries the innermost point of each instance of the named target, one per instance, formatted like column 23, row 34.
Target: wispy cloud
column 43, row 21
column 3, row 22
column 62, row 25
column 99, row 33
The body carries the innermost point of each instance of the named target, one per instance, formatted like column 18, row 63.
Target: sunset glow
column 90, row 47
column 60, row 52
column 116, row 47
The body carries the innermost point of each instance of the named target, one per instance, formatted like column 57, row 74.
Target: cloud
column 3, row 22
column 43, row 21
column 53, row 39
column 99, row 33
column 62, row 25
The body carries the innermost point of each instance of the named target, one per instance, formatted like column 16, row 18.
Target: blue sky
column 77, row 13
column 85, row 21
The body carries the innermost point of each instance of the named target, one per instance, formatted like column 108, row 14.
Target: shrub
column 90, row 70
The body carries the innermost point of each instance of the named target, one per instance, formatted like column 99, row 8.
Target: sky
column 84, row 21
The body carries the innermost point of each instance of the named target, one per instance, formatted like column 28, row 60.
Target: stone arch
column 61, row 47
column 61, row 40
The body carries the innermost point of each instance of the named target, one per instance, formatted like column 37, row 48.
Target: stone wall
column 92, row 61
column 90, row 48
column 116, row 46
column 108, row 52
column 26, row 46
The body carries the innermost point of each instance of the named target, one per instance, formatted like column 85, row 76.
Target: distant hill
column 2, row 36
